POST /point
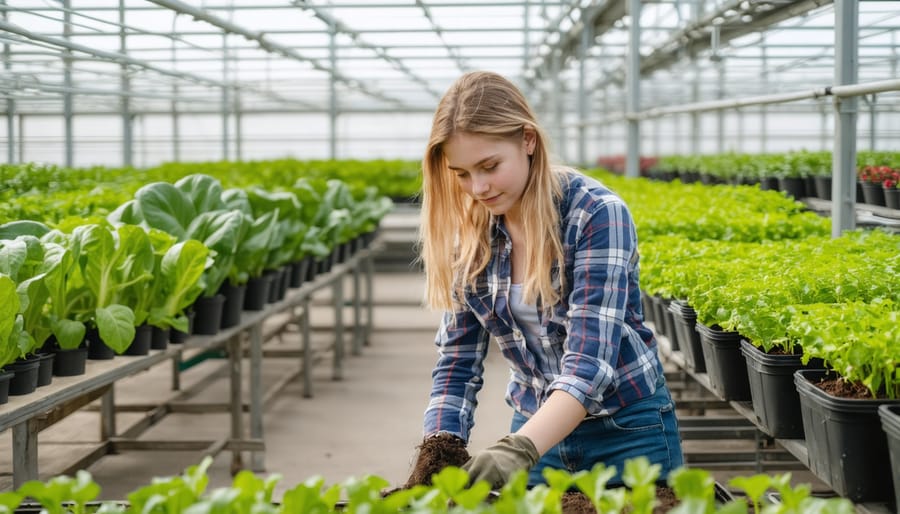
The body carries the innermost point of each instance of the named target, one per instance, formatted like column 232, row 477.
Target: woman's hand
column 497, row 463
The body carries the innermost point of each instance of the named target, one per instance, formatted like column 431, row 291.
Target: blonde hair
column 454, row 233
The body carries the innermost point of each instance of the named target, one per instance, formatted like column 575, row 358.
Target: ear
column 529, row 138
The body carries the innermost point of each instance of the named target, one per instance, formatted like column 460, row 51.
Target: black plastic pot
column 666, row 324
column 775, row 399
column 685, row 320
column 208, row 314
column 274, row 285
column 45, row 370
column 97, row 349
column 26, row 376
column 234, row 303
column 179, row 337
column 873, row 193
column 257, row 293
column 890, row 423
column 141, row 343
column 285, row 279
column 70, row 363
column 793, row 186
column 159, row 338
column 725, row 364
column 5, row 377
column 647, row 307
column 845, row 442
column 312, row 268
column 823, row 187
column 298, row 272
column 892, row 198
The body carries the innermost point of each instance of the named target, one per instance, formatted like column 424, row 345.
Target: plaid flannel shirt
column 593, row 344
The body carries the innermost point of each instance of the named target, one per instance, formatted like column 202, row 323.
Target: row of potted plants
column 781, row 307
column 173, row 254
column 799, row 174
column 449, row 491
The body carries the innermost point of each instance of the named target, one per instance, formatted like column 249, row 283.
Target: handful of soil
column 436, row 453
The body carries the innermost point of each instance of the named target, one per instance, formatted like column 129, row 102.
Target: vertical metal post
column 10, row 103
column 108, row 413
column 257, row 458
column 633, row 81
column 332, row 90
column 176, row 127
column 873, row 119
column 226, row 106
column 696, row 129
column 338, row 300
column 720, row 114
column 763, row 110
column 125, row 102
column 307, row 347
column 25, row 451
column 823, row 128
column 557, row 102
column 526, row 43
column 238, row 128
column 370, row 297
column 68, row 131
column 740, row 130
column 657, row 128
column 846, row 47
column 21, row 138
column 357, row 311
column 584, row 104
column 237, row 403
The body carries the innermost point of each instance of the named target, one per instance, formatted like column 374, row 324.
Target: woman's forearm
column 553, row 421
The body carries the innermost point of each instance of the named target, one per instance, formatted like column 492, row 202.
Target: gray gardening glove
column 497, row 463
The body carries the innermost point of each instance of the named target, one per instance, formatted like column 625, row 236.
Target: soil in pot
column 442, row 450
column 576, row 502
column 435, row 454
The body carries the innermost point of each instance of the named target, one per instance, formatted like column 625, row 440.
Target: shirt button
column 517, row 333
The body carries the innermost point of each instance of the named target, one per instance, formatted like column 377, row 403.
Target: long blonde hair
column 454, row 233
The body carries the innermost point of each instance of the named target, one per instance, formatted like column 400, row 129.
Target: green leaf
column 116, row 326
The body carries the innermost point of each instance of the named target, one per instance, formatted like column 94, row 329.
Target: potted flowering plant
column 871, row 178
column 891, row 185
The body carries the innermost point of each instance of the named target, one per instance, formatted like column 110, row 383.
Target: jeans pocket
column 638, row 418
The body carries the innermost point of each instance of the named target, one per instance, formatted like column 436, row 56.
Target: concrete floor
column 367, row 423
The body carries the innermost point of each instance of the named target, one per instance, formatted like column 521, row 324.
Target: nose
column 480, row 185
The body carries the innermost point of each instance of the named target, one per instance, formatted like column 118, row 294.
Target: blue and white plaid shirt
column 593, row 345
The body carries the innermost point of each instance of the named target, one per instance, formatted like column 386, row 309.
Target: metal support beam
column 633, row 81
column 332, row 92
column 843, row 189
column 226, row 106
column 584, row 103
column 10, row 103
column 69, row 158
column 125, row 100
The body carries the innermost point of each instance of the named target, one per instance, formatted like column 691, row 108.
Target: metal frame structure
column 607, row 76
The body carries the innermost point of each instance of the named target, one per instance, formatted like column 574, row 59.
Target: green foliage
column 450, row 492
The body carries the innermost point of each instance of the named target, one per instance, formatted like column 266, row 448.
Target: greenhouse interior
column 226, row 282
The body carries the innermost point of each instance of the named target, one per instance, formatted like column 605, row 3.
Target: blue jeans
column 647, row 427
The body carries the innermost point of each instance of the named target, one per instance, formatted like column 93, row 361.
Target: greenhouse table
column 27, row 415
column 796, row 447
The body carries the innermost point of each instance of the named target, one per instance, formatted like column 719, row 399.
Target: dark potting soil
column 845, row 389
column 436, row 453
column 442, row 450
column 574, row 502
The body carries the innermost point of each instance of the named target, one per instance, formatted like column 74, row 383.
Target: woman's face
column 493, row 171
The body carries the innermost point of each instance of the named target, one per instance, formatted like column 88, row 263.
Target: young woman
column 543, row 260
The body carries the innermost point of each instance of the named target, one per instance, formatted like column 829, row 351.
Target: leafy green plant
column 54, row 493
column 174, row 209
column 9, row 321
column 857, row 339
